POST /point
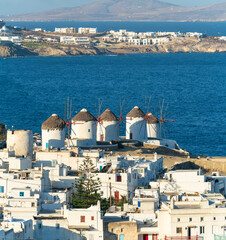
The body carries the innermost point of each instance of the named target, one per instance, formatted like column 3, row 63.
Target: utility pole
column 110, row 194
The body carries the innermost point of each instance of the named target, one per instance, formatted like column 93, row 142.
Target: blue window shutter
column 138, row 203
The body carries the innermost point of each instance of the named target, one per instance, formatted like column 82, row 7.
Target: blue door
column 121, row 237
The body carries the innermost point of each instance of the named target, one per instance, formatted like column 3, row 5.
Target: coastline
column 47, row 50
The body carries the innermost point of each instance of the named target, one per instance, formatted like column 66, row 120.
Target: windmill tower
column 53, row 132
column 107, row 126
column 136, row 125
column 84, row 126
column 153, row 126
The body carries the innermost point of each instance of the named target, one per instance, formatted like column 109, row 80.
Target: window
column 112, row 230
column 54, row 162
column 88, row 130
column 121, row 229
column 92, row 218
column 39, row 225
column 82, row 218
column 190, row 219
column 21, row 194
column 178, row 220
column 57, row 225
column 202, row 229
column 119, row 178
column 214, row 218
column 1, row 189
column 138, row 203
column 33, row 204
column 179, row 230
column 201, row 219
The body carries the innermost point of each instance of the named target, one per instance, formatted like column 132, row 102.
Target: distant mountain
column 128, row 10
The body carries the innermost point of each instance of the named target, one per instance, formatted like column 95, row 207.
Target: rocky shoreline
column 177, row 46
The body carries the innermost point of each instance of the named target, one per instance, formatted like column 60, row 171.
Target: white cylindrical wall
column 53, row 138
column 21, row 141
column 136, row 129
column 153, row 130
column 84, row 130
column 107, row 131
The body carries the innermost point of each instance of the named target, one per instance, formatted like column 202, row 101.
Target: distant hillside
column 128, row 10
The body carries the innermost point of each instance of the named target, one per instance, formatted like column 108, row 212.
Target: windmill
column 122, row 119
column 68, row 111
column 163, row 118
column 107, row 125
column 67, row 117
column 100, row 125
column 156, row 126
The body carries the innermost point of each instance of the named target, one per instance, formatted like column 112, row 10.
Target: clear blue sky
column 26, row 6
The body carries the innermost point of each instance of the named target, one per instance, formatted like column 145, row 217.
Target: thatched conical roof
column 108, row 115
column 53, row 122
column 83, row 116
column 136, row 112
column 151, row 119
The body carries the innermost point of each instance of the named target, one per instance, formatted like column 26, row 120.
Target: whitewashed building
column 22, row 229
column 160, row 40
column 53, row 132
column 153, row 126
column 191, row 181
column 70, row 224
column 83, row 30
column 136, row 125
column 75, row 40
column 191, row 217
column 107, row 126
column 119, row 183
column 84, row 129
column 20, row 141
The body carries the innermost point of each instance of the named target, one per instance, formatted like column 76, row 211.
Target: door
column 189, row 233
column 145, row 237
column 102, row 137
column 117, row 196
column 121, row 237
column 131, row 136
column 155, row 237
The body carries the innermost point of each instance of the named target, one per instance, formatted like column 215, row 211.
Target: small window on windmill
column 54, row 163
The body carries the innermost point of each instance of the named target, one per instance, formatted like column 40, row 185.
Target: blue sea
column 192, row 85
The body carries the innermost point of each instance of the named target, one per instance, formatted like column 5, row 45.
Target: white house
column 192, row 217
column 23, row 229
column 72, row 224
column 191, row 181
column 160, row 40
column 118, row 183
column 83, row 30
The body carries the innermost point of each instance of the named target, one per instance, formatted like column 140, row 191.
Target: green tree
column 87, row 186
